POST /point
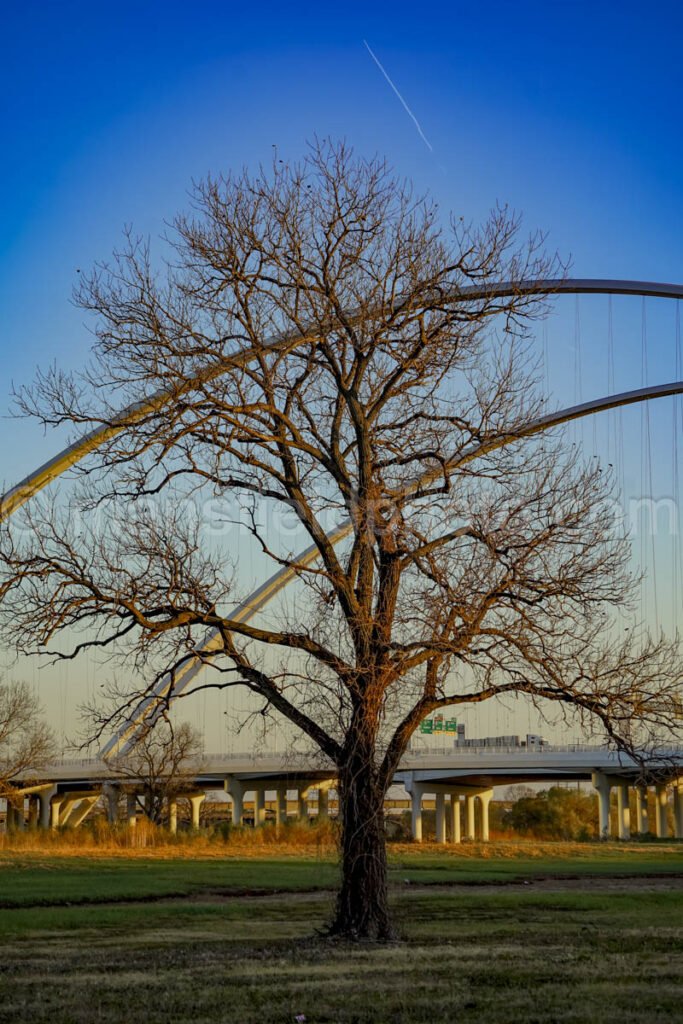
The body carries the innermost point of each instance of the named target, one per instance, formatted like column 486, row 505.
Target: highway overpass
column 459, row 781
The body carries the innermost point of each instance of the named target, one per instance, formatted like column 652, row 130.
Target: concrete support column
column 662, row 825
column 237, row 808
column 455, row 818
column 603, row 786
column 323, row 804
column 678, row 808
column 68, row 807
column 33, row 811
column 280, row 806
column 485, row 801
column 111, row 796
column 470, row 829
column 81, row 811
column 131, row 810
column 235, row 790
column 302, row 804
column 172, row 816
column 623, row 811
column 641, row 810
column 196, row 806
column 14, row 818
column 440, row 818
column 416, row 813
column 45, row 811
column 259, row 808
column 55, row 808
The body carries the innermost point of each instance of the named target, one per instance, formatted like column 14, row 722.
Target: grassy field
column 526, row 933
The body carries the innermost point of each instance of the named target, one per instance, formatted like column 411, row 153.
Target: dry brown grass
column 295, row 839
column 534, row 849
column 100, row 839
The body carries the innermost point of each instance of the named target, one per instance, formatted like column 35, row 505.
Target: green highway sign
column 438, row 724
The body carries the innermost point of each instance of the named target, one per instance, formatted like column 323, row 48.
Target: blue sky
column 569, row 112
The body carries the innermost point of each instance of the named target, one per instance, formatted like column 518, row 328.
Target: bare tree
column 479, row 562
column 26, row 741
column 162, row 765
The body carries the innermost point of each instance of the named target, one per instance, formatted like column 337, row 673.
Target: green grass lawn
column 40, row 879
column 58, row 880
column 600, row 949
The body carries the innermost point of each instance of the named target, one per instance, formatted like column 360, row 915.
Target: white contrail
column 405, row 105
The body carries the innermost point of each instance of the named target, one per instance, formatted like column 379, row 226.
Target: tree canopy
column 554, row 813
column 386, row 383
column 26, row 741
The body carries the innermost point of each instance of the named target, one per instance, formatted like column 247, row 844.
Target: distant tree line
column 554, row 813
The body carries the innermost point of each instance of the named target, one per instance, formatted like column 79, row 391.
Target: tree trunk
column 362, row 910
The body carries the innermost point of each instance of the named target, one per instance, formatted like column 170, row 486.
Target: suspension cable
column 647, row 467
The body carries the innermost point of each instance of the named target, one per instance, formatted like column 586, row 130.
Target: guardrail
column 313, row 761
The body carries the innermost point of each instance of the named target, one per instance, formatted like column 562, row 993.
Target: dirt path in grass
column 575, row 883
column 660, row 882
column 641, row 883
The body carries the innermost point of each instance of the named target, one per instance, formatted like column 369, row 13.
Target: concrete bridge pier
column 10, row 817
column 484, row 803
column 678, row 808
column 280, row 806
column 323, row 803
column 78, row 810
column 415, row 792
column 416, row 814
column 173, row 816
column 45, row 799
column 196, row 801
column 55, row 808
column 661, row 802
column 455, row 818
column 131, row 809
column 603, row 786
column 71, row 808
column 302, row 803
column 470, row 826
column 111, row 797
column 16, row 819
column 448, row 821
column 623, row 811
column 235, row 790
column 441, row 817
column 641, row 810
column 259, row 807
column 33, row 810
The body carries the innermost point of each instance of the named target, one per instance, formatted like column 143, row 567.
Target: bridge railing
column 488, row 751
column 313, row 761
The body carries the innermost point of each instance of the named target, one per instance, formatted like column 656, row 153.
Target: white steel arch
column 90, row 442
column 172, row 685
